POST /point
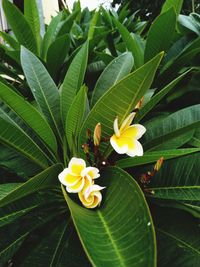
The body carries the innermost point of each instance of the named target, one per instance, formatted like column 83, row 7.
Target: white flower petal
column 127, row 122
column 91, row 171
column 116, row 128
column 99, row 196
column 141, row 130
column 62, row 176
column 136, row 151
column 74, row 188
column 117, row 148
column 76, row 165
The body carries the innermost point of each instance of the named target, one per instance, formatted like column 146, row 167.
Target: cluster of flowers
column 80, row 179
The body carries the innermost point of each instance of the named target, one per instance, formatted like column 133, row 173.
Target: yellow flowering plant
column 88, row 140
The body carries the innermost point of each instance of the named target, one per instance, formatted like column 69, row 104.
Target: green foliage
column 160, row 34
column 88, row 68
column 114, row 225
column 20, row 26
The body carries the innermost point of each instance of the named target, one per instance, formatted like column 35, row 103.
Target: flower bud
column 88, row 134
column 139, row 104
column 85, row 148
column 97, row 134
column 158, row 164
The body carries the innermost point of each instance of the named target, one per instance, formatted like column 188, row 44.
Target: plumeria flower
column 77, row 174
column 91, row 196
column 125, row 138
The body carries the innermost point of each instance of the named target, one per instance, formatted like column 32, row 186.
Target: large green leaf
column 29, row 115
column 50, row 34
column 172, row 131
column 75, row 116
column 178, row 238
column 120, row 99
column 160, row 34
column 73, row 79
column 20, row 26
column 45, row 179
column 56, row 55
column 43, row 88
column 13, row 136
column 120, row 232
column 32, row 16
column 176, row 4
column 178, row 180
column 132, row 44
column 150, row 157
column 115, row 71
column 16, row 163
column 156, row 98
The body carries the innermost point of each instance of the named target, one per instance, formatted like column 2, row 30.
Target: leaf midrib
column 175, row 187
column 44, row 97
column 115, row 246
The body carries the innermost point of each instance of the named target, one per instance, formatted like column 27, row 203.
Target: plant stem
column 193, row 6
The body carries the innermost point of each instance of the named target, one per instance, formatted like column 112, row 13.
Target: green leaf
column 75, row 116
column 195, row 141
column 43, row 88
column 156, row 98
column 73, row 80
column 6, row 188
column 10, row 40
column 14, row 216
column 13, row 136
column 150, row 157
column 20, row 26
column 179, row 193
column 188, row 23
column 59, row 246
column 45, row 179
column 178, row 238
column 93, row 25
column 160, row 34
column 50, row 34
column 172, row 131
column 7, row 253
column 179, row 61
column 29, row 115
column 56, row 55
column 178, row 180
column 32, row 16
column 66, row 25
column 120, row 232
column 6, row 56
column 16, row 163
column 132, row 44
column 114, row 72
column 120, row 99
column 13, row 235
column 176, row 4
